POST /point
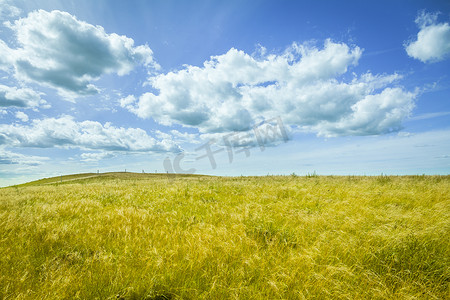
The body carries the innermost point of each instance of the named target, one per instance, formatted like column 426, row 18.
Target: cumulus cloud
column 60, row 51
column 20, row 97
column 65, row 132
column 5, row 56
column 7, row 10
column 95, row 156
column 373, row 114
column 433, row 40
column 304, row 85
column 22, row 116
column 127, row 101
column 11, row 158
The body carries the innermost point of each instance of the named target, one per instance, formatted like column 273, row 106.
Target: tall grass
column 272, row 237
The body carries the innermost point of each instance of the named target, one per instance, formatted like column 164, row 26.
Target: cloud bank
column 11, row 158
column 20, row 97
column 91, row 135
column 433, row 40
column 95, row 156
column 7, row 10
column 57, row 50
column 22, row 116
column 304, row 85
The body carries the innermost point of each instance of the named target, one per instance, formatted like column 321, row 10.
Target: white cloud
column 374, row 114
column 7, row 10
column 95, row 156
column 20, row 97
column 430, row 115
column 22, row 116
column 433, row 39
column 127, row 101
column 11, row 158
column 65, row 132
column 304, row 85
column 185, row 136
column 58, row 50
column 5, row 56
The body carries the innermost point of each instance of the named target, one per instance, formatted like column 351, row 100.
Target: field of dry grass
column 138, row 236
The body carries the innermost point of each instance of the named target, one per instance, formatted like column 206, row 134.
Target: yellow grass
column 126, row 236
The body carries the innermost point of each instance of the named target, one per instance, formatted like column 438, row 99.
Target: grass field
column 144, row 236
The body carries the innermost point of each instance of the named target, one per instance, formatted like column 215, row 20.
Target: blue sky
column 269, row 87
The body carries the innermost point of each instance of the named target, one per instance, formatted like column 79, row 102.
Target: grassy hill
column 97, row 177
column 150, row 236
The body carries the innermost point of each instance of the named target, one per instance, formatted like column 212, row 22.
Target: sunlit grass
column 274, row 237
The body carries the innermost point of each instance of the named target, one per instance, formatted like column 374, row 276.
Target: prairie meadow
column 147, row 236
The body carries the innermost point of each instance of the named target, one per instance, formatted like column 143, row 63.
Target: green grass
column 146, row 236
